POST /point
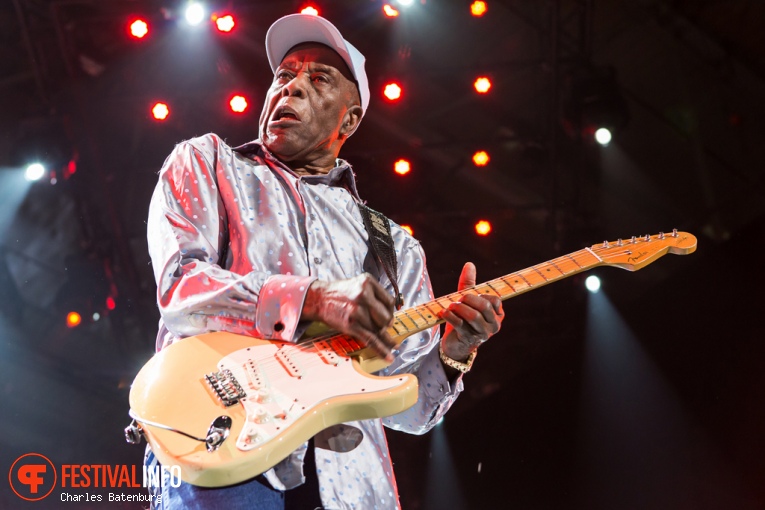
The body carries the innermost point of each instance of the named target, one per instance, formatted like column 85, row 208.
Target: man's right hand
column 358, row 307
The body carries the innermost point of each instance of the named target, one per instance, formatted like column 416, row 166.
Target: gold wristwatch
column 457, row 365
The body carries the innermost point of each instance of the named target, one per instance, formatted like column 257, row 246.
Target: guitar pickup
column 327, row 353
column 288, row 363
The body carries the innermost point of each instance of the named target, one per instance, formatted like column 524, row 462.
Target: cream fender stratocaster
column 226, row 407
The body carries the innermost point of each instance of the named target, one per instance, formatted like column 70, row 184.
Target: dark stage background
column 647, row 395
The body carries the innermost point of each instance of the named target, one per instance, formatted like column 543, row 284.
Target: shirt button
column 317, row 260
column 312, row 216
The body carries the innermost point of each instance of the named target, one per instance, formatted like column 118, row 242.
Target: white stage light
column 592, row 283
column 195, row 13
column 34, row 172
column 603, row 136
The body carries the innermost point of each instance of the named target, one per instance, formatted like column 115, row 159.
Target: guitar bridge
column 225, row 386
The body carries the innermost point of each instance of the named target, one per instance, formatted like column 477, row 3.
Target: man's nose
column 294, row 87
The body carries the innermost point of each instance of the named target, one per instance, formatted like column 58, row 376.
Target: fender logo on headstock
column 637, row 257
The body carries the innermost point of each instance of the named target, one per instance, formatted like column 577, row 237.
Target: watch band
column 457, row 365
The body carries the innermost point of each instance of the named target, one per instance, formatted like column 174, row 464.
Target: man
column 267, row 238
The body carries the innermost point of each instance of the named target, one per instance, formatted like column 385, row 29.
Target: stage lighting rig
column 390, row 11
column 224, row 23
column 478, row 9
column 482, row 85
column 402, row 167
column 483, row 228
column 195, row 13
column 392, row 91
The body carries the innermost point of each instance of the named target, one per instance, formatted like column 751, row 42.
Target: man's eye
column 321, row 78
column 283, row 75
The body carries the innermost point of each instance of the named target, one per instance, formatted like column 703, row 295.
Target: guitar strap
column 381, row 244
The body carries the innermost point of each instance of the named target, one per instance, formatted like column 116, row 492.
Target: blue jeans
column 254, row 494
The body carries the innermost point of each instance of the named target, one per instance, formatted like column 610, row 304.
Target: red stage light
column 73, row 319
column 481, row 158
column 478, row 8
column 408, row 229
column 482, row 228
column 392, row 91
column 70, row 168
column 390, row 11
column 402, row 167
column 224, row 23
column 313, row 11
column 110, row 303
column 138, row 28
column 238, row 104
column 482, row 85
column 160, row 111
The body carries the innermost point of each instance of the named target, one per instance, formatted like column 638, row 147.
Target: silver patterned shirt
column 236, row 238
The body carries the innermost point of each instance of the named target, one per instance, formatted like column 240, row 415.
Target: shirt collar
column 342, row 175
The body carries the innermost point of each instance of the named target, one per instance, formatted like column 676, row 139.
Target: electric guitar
column 226, row 407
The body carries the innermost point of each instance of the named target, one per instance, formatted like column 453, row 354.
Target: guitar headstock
column 639, row 251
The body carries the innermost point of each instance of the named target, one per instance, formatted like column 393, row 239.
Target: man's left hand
column 470, row 322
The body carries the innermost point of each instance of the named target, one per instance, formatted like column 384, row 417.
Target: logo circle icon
column 32, row 476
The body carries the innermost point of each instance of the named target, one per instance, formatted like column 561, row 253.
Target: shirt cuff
column 280, row 304
column 437, row 385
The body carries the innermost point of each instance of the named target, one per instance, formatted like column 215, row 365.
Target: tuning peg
column 661, row 235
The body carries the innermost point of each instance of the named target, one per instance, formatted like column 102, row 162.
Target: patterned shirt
column 236, row 238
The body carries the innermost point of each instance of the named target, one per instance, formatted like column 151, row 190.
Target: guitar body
column 279, row 395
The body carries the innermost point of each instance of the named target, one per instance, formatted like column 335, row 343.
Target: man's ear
column 351, row 120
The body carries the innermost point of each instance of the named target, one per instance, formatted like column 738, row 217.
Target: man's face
column 309, row 109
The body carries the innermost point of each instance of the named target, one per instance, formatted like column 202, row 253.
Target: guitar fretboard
column 424, row 316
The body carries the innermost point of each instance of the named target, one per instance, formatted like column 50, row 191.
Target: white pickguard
column 285, row 381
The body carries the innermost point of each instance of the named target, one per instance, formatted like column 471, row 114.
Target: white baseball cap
column 294, row 29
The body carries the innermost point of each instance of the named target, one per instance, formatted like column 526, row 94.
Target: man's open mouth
column 284, row 113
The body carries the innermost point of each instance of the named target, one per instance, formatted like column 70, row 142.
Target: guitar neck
column 631, row 254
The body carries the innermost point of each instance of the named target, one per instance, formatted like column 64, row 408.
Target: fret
column 409, row 327
column 448, row 300
column 429, row 316
column 574, row 260
column 490, row 286
column 417, row 310
column 501, row 282
column 526, row 280
column 428, row 306
column 518, row 281
column 554, row 265
column 540, row 273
